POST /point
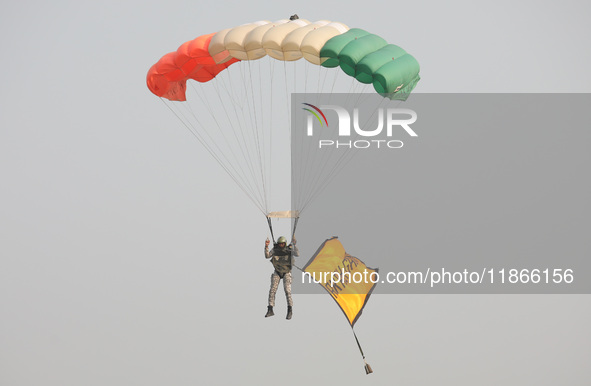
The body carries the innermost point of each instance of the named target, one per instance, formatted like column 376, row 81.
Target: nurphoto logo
column 378, row 126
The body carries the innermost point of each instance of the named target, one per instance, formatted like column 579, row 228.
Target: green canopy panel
column 357, row 49
column 331, row 50
column 372, row 62
column 397, row 76
column 370, row 59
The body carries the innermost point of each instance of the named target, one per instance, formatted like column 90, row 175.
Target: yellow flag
column 346, row 278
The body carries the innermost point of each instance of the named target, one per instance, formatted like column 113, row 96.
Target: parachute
column 367, row 57
column 231, row 90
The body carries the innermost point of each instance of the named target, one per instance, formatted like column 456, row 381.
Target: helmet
column 282, row 239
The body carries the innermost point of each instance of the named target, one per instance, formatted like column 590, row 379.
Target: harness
column 280, row 253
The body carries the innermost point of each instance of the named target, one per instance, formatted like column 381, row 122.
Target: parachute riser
column 295, row 225
column 271, row 229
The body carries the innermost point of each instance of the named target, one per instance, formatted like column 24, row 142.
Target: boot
column 269, row 311
column 288, row 313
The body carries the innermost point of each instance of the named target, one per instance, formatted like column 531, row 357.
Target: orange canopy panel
column 168, row 77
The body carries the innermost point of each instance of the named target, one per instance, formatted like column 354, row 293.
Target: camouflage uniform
column 282, row 260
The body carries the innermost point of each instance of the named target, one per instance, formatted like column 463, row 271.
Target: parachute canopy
column 360, row 54
column 238, row 104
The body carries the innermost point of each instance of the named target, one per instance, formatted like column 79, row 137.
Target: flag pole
column 368, row 369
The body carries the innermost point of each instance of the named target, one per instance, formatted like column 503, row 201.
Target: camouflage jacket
column 282, row 258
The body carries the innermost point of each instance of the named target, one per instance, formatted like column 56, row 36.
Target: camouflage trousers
column 275, row 278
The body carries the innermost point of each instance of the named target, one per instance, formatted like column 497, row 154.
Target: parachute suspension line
column 295, row 178
column 350, row 91
column 318, row 85
column 334, row 80
column 363, row 95
column 272, row 65
column 306, row 67
column 226, row 165
column 367, row 367
column 316, row 186
column 205, row 101
column 315, row 164
column 321, row 88
column 287, row 99
column 240, row 174
column 357, row 86
column 254, row 134
column 300, row 154
column 234, row 131
column 288, row 116
column 308, row 165
column 205, row 145
column 245, row 105
column 231, row 95
column 298, row 176
column 266, row 173
column 259, row 129
column 301, row 168
column 312, row 157
column 341, row 162
column 241, row 131
column 238, row 93
column 258, row 135
column 247, row 160
column 295, row 77
column 315, row 174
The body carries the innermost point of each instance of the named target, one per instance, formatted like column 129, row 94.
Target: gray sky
column 127, row 256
